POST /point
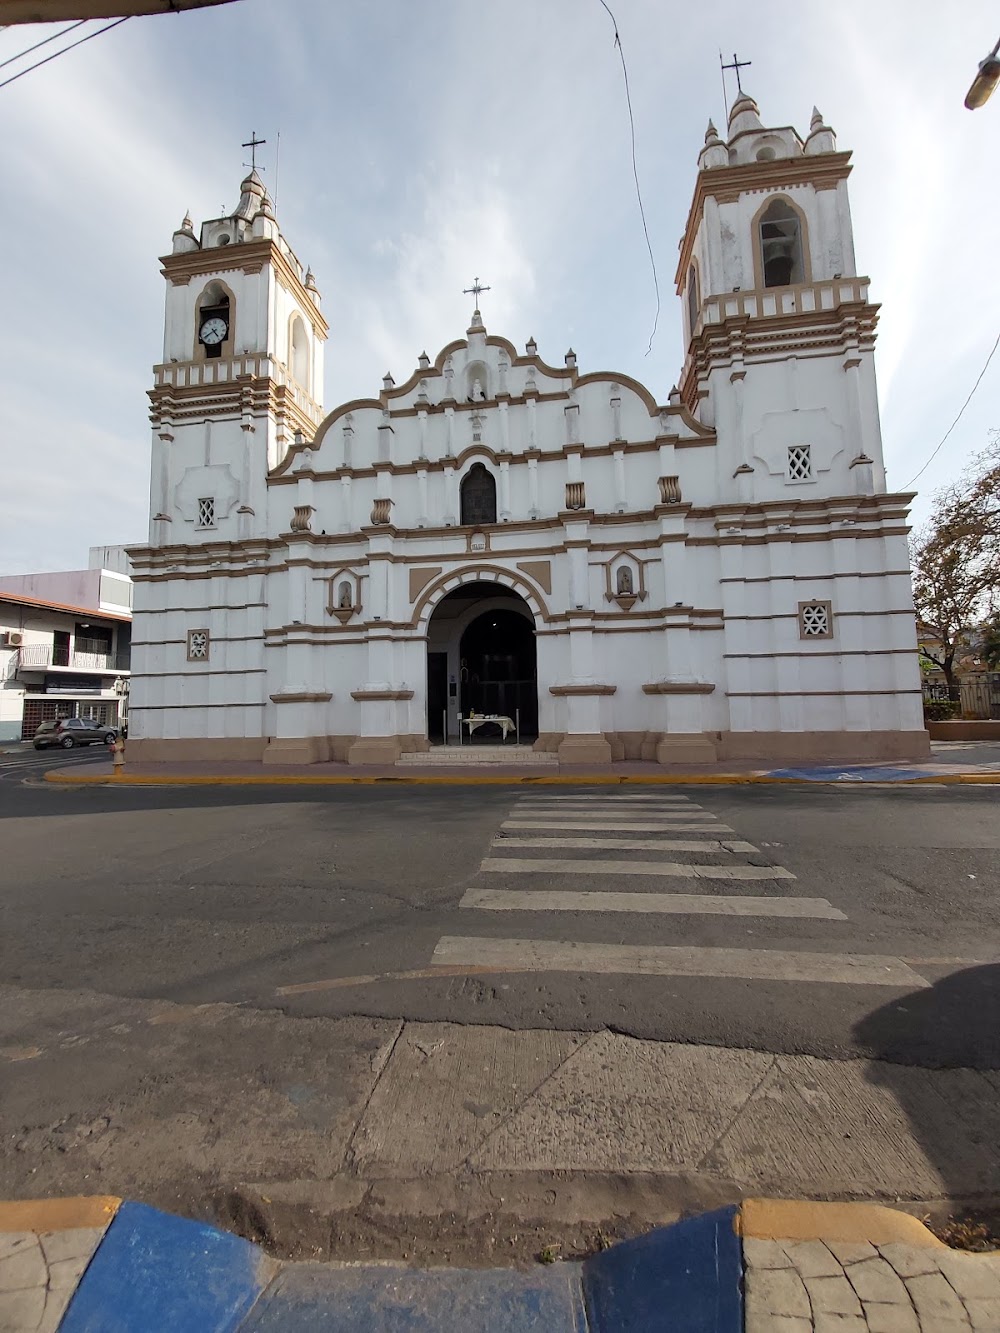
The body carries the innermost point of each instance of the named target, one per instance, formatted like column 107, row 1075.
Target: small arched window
column 781, row 245
column 693, row 301
column 479, row 496
column 299, row 357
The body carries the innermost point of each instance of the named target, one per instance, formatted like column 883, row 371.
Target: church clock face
column 214, row 331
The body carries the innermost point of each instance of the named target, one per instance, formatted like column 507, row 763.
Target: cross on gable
column 474, row 290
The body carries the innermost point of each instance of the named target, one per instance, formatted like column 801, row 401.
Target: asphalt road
column 833, row 921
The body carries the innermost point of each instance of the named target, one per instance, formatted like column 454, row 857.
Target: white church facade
column 720, row 575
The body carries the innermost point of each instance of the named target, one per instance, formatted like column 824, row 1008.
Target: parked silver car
column 69, row 731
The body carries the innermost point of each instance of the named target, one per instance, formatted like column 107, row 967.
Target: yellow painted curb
column 95, row 1210
column 484, row 780
column 800, row 1219
column 415, row 779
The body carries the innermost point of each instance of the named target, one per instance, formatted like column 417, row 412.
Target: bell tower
column 778, row 328
column 241, row 376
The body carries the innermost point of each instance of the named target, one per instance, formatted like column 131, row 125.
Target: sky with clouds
column 423, row 145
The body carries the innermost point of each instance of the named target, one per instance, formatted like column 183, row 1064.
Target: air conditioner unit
column 13, row 638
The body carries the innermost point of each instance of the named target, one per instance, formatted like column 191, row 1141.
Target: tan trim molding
column 305, row 697
column 679, row 687
column 563, row 690
column 367, row 696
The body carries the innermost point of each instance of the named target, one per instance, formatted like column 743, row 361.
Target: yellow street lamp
column 985, row 81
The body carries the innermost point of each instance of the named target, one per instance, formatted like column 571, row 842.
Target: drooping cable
column 957, row 419
column 635, row 173
column 79, row 42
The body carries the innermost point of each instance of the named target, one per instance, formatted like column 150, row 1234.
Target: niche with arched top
column 298, row 351
column 477, row 382
column 693, row 299
column 479, row 496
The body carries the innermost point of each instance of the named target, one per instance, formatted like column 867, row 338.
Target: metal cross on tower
column 736, row 64
column 474, row 290
column 253, row 143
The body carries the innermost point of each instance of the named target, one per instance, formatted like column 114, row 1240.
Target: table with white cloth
column 506, row 724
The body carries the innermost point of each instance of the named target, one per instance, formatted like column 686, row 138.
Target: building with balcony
column 65, row 645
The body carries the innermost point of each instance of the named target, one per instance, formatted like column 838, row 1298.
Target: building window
column 815, row 620
column 693, row 301
column 198, row 644
column 206, row 512
column 479, row 496
column 781, row 245
column 800, row 466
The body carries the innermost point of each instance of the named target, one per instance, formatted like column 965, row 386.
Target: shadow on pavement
column 953, row 1024
column 937, row 1052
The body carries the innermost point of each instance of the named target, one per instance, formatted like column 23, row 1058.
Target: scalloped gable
column 484, row 376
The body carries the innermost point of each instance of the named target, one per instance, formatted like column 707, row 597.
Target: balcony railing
column 805, row 298
column 41, row 656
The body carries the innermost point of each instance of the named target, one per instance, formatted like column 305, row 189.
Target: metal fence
column 981, row 696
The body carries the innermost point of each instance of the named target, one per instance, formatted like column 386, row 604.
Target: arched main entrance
column 481, row 658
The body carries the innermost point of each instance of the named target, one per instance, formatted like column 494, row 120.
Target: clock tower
column 241, row 376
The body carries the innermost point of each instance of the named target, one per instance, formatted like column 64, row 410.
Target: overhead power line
column 44, row 42
column 635, row 173
column 79, row 42
column 957, row 419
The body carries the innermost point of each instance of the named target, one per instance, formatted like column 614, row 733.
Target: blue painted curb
column 155, row 1273
column 849, row 774
column 687, row 1277
column 384, row 1299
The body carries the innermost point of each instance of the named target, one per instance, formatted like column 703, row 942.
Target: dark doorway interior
column 498, row 669
column 437, row 695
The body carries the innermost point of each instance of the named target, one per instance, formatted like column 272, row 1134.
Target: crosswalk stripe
column 700, row 824
column 633, row 844
column 516, row 955
column 598, row 808
column 678, row 904
column 577, row 799
column 512, row 865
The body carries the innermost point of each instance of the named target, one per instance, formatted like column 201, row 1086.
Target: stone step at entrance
column 447, row 756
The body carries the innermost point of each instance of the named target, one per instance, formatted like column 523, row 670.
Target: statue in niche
column 625, row 588
column 346, row 598
column 478, row 395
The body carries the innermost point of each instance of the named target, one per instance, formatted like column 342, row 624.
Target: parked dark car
column 70, row 731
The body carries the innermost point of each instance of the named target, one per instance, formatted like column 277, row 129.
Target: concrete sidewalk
column 98, row 1265
column 445, row 1143
column 951, row 761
